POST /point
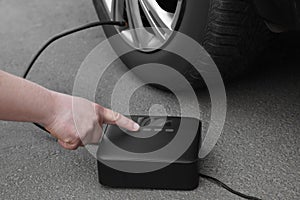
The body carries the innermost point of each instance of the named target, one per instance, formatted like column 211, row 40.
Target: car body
column 283, row 14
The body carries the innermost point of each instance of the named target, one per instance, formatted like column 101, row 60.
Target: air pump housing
column 179, row 174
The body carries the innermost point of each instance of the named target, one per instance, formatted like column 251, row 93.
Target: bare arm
column 73, row 120
column 21, row 100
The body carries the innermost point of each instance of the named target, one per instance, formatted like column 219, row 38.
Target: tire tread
column 235, row 36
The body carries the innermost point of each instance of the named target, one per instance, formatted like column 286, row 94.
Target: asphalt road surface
column 258, row 153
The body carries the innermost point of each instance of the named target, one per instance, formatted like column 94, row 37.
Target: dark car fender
column 285, row 13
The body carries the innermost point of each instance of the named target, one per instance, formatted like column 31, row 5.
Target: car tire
column 229, row 30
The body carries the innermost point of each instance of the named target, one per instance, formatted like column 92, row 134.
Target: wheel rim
column 149, row 25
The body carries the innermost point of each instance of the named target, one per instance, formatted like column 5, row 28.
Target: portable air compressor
column 163, row 169
column 155, row 133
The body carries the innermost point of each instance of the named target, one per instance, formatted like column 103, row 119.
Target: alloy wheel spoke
column 162, row 18
column 117, row 11
column 135, row 22
column 176, row 17
column 154, row 20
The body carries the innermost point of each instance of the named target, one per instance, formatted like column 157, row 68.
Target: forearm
column 22, row 100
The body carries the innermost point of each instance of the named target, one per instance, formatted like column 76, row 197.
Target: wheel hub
column 149, row 24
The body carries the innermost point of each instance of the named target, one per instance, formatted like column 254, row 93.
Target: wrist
column 50, row 109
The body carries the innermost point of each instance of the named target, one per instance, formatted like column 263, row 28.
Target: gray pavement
column 258, row 152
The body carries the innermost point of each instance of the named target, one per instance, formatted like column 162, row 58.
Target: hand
column 76, row 121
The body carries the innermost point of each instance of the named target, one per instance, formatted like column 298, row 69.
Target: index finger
column 111, row 117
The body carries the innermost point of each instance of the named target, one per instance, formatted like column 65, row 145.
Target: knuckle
column 99, row 108
column 67, row 141
column 72, row 140
column 116, row 116
column 110, row 115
